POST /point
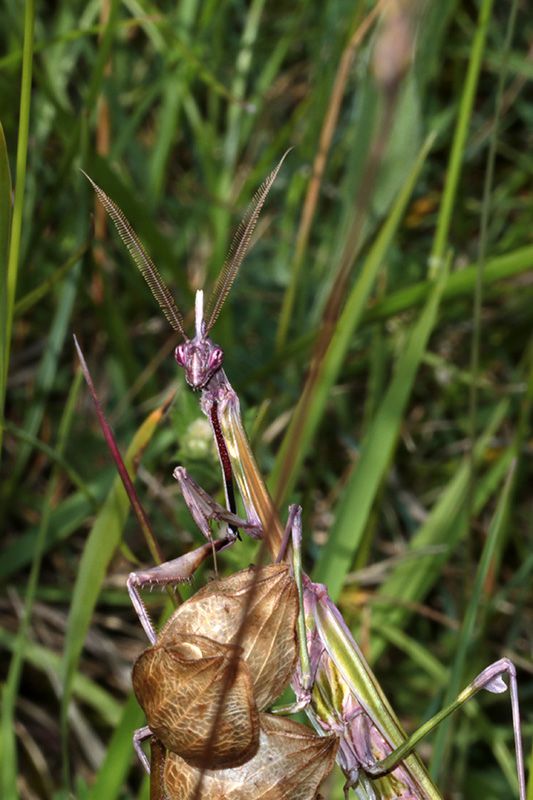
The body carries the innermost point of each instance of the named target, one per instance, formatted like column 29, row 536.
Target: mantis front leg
column 204, row 510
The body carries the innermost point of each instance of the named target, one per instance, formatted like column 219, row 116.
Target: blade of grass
column 319, row 165
column 5, row 232
column 309, row 410
column 67, row 518
column 361, row 489
column 445, row 525
column 6, row 189
column 55, row 457
column 101, row 544
column 498, row 526
column 459, row 283
column 46, row 374
column 440, row 242
column 83, row 688
column 467, row 636
column 36, row 295
column 142, row 519
column 16, row 224
column 49, row 364
column 243, row 65
column 473, row 622
column 482, row 244
column 177, row 81
column 112, row 774
column 8, row 779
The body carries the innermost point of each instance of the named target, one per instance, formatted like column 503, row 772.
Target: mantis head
column 200, row 357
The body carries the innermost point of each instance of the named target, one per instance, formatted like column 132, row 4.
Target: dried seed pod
column 179, row 682
column 290, row 764
column 268, row 641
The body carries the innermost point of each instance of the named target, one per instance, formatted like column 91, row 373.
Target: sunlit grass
column 179, row 114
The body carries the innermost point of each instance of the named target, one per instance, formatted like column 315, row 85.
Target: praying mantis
column 332, row 682
column 218, row 663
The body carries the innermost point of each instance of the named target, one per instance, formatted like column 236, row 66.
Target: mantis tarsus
column 338, row 690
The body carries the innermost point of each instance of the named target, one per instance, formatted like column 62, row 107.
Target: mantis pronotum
column 337, row 688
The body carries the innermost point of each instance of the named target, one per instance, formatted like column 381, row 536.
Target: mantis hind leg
column 204, row 509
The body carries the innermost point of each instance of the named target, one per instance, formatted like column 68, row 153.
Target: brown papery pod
column 290, row 764
column 268, row 637
column 179, row 681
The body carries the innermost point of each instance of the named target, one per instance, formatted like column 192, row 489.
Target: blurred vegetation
column 391, row 277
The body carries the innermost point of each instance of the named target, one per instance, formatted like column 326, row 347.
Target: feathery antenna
column 146, row 266
column 239, row 247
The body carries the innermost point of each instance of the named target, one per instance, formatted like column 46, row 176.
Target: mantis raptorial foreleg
column 204, row 510
column 232, row 676
column 140, row 735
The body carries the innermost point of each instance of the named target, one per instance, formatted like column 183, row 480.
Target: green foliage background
column 412, row 452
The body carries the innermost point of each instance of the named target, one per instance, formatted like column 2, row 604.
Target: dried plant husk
column 290, row 764
column 179, row 685
column 268, row 638
column 179, row 681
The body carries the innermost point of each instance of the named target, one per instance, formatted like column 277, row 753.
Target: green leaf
column 103, row 540
column 361, row 490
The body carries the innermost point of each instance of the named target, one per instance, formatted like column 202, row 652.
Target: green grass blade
column 460, row 284
column 445, row 525
column 55, row 457
column 309, row 411
column 67, row 518
column 175, row 86
column 47, row 372
column 111, row 775
column 103, row 540
column 360, row 492
column 83, row 688
column 16, row 224
column 6, row 189
column 473, row 624
column 5, row 233
column 38, row 294
column 8, row 777
column 466, row 640
column 440, row 242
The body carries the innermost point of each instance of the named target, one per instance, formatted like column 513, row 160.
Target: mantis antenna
column 239, row 247
column 146, row 266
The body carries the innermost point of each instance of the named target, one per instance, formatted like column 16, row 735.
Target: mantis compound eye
column 216, row 358
column 180, row 355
